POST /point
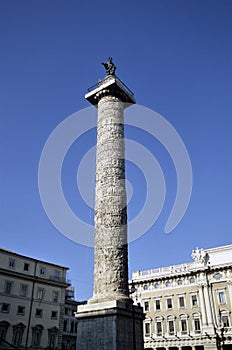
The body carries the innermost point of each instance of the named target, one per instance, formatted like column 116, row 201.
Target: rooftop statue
column 109, row 66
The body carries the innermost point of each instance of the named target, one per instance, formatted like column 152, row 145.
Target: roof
column 6, row 251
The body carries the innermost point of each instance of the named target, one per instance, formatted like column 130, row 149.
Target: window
column 168, row 284
column 179, row 282
column 65, row 326
column 38, row 313
column 181, row 301
column 66, row 311
column 72, row 327
column 183, row 326
column 11, row 263
column 18, row 331
column 221, row 297
column 23, row 290
column 159, row 328
column 40, row 293
column 217, row 276
column 52, row 337
column 157, row 304
column 156, row 285
column 169, row 303
column 192, row 280
column 42, row 270
column 145, row 287
column 146, row 306
column 36, row 335
column 20, row 310
column 197, row 325
column 4, row 325
column 57, row 275
column 194, row 300
column 147, row 329
column 55, row 296
column 171, row 327
column 5, row 308
column 225, row 321
column 54, row 314
column 8, row 287
column 26, row 267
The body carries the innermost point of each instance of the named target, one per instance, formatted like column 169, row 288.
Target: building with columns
column 188, row 306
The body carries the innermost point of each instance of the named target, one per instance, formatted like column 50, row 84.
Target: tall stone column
column 110, row 247
column 110, row 320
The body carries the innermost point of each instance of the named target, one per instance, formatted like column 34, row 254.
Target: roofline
column 6, row 251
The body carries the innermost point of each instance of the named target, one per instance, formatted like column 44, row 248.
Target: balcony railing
column 109, row 78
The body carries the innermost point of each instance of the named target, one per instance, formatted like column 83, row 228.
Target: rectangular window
column 20, row 310
column 183, row 326
column 169, row 303
column 171, row 327
column 221, row 296
column 146, row 305
column 55, row 296
column 181, row 302
column 11, row 263
column 38, row 313
column 197, row 325
column 23, row 290
column 42, row 270
column 225, row 321
column 26, row 267
column 54, row 314
column 5, row 308
column 66, row 311
column 56, row 275
column 159, row 328
column 147, row 329
column 40, row 293
column 194, row 300
column 157, row 304
column 8, row 287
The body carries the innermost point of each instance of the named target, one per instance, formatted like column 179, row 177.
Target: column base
column 113, row 325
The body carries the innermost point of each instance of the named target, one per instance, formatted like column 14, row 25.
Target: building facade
column 32, row 302
column 188, row 306
column 69, row 337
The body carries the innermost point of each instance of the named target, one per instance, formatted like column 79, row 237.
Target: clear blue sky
column 176, row 56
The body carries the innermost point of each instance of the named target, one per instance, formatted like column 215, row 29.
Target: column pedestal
column 112, row 325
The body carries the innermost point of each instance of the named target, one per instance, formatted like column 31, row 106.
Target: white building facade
column 188, row 306
column 32, row 299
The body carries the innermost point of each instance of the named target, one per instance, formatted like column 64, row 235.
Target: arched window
column 4, row 325
column 171, row 324
column 18, row 330
column 36, row 335
column 183, row 324
column 52, row 337
column 224, row 318
column 196, row 320
column 192, row 280
column 158, row 326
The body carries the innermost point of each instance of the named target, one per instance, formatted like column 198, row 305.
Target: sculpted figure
column 109, row 66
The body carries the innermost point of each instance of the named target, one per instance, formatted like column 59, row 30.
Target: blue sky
column 176, row 56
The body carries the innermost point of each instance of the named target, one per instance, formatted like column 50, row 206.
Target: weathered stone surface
column 110, row 325
column 109, row 320
column 110, row 247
